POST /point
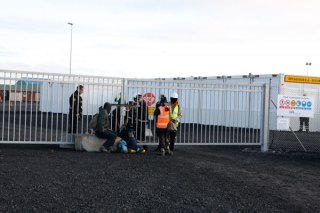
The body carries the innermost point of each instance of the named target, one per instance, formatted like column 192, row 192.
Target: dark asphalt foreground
column 195, row 179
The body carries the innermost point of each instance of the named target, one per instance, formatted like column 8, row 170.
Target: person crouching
column 103, row 130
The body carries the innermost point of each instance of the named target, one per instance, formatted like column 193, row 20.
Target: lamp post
column 308, row 64
column 70, row 46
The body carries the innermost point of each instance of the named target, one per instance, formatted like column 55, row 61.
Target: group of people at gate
column 124, row 138
column 168, row 117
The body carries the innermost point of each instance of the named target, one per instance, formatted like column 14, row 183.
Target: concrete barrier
column 89, row 143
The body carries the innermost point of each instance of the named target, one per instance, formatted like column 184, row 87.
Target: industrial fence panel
column 39, row 108
column 35, row 107
column 303, row 133
column 212, row 113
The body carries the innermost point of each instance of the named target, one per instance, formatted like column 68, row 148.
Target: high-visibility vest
column 175, row 113
column 163, row 118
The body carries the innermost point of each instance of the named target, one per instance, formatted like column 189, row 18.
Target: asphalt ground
column 194, row 179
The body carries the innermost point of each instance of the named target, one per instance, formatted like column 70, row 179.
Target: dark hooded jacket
column 103, row 120
column 75, row 104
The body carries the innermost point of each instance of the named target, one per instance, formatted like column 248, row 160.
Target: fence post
column 264, row 133
column 123, row 101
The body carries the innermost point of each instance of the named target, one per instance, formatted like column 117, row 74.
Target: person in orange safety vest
column 162, row 114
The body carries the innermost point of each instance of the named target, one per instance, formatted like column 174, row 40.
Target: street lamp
column 308, row 64
column 70, row 45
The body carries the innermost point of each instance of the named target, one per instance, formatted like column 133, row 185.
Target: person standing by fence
column 75, row 109
column 162, row 114
column 304, row 121
column 141, row 118
column 175, row 118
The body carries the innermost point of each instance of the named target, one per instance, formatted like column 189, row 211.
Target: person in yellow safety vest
column 118, row 99
column 175, row 117
column 162, row 114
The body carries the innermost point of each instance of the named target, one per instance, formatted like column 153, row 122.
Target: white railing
column 34, row 108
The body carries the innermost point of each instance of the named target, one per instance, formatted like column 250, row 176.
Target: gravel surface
column 195, row 179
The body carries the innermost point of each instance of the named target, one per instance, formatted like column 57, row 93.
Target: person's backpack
column 93, row 122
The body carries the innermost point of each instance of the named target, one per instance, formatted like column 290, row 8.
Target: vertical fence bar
column 225, row 107
column 9, row 103
column 25, row 109
column 222, row 132
column 193, row 115
column 228, row 109
column 31, row 108
column 229, row 102
column 68, row 108
column 264, row 133
column 47, row 109
column 57, row 113
column 260, row 101
column 80, row 118
column 189, row 113
column 234, row 114
column 249, row 115
column 15, row 107
column 242, row 100
column 184, row 114
column 214, row 118
column 4, row 104
column 77, row 120
column 197, row 117
column 61, row 89
column 200, row 107
column 52, row 110
column 257, row 95
column 219, row 114
column 20, row 102
column 206, row 116
column 222, row 113
column 211, row 111
column 36, row 111
column 238, row 133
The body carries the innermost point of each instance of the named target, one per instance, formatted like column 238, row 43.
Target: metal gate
column 34, row 108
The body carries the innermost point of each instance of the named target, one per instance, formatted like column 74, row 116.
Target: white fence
column 213, row 113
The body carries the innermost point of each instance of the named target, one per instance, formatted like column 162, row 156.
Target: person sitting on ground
column 113, row 143
column 127, row 134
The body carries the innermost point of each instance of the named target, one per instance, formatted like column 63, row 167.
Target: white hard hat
column 174, row 95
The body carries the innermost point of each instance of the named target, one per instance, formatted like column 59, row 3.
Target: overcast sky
column 161, row 38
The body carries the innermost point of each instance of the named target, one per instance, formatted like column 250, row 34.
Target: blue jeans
column 132, row 143
column 109, row 135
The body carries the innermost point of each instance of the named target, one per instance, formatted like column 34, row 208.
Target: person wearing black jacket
column 141, row 118
column 103, row 130
column 75, row 109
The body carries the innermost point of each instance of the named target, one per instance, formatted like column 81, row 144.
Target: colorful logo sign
column 295, row 106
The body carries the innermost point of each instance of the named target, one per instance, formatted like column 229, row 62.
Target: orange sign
column 301, row 79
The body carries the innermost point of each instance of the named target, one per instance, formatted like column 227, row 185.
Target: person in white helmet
column 175, row 117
